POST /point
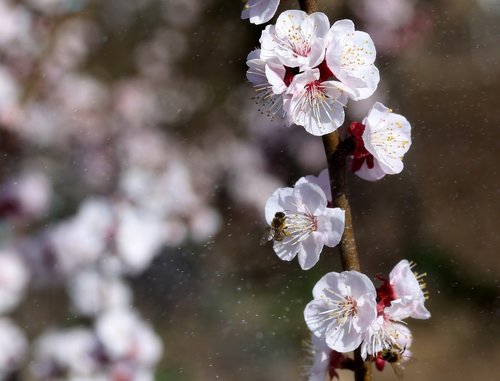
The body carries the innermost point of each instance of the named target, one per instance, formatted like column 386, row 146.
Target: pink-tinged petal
column 313, row 199
column 315, row 318
column 278, row 202
column 331, row 226
column 310, row 251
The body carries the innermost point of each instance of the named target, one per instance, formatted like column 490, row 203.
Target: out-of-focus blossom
column 13, row 280
column 380, row 143
column 259, row 11
column 301, row 223
column 73, row 352
column 25, row 196
column 139, row 235
column 81, row 240
column 343, row 309
column 395, row 25
column 9, row 96
column 57, row 6
column 13, row 348
column 15, row 23
column 126, row 337
column 92, row 293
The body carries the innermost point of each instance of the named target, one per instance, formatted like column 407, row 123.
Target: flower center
column 299, row 226
column 342, row 308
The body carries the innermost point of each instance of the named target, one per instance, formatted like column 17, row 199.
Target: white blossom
column 297, row 39
column 13, row 280
column 267, row 78
column 386, row 137
column 13, row 348
column 72, row 351
column 316, row 105
column 259, row 11
column 125, row 336
column 408, row 289
column 307, row 226
column 344, row 307
column 386, row 334
column 350, row 55
column 93, row 293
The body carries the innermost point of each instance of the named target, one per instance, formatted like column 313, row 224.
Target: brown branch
column 336, row 156
column 309, row 6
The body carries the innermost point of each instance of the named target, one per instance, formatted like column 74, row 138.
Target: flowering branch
column 336, row 156
column 309, row 69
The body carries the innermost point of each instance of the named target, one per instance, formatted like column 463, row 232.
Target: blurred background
column 135, row 166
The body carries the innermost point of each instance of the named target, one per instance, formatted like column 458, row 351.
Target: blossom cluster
column 348, row 312
column 309, row 70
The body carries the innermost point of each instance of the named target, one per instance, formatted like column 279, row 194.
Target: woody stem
column 336, row 157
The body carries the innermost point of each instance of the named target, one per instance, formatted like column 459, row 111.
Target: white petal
column 331, row 225
column 285, row 250
column 275, row 74
column 342, row 339
column 313, row 198
column 314, row 318
column 330, row 281
column 317, row 24
column 278, row 202
column 371, row 174
column 359, row 284
column 289, row 20
column 311, row 250
column 259, row 11
column 323, row 180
